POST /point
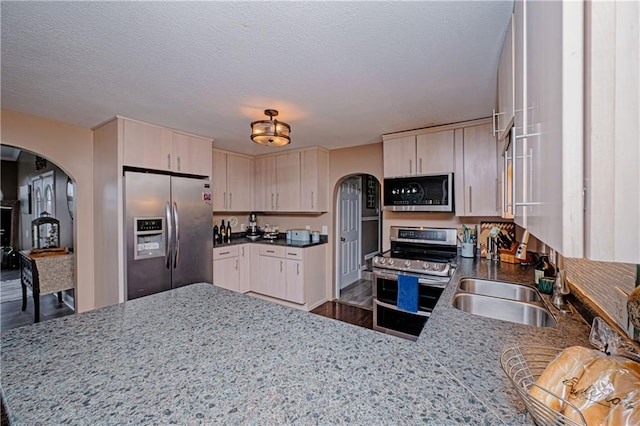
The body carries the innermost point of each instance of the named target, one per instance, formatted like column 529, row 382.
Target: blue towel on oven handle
column 408, row 293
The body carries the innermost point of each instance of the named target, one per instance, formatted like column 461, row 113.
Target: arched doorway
column 358, row 238
column 31, row 186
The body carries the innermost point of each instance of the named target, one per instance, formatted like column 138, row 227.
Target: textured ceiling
column 340, row 73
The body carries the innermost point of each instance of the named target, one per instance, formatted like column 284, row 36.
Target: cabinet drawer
column 273, row 251
column 294, row 253
column 225, row 252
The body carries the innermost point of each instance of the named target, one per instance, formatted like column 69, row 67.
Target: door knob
column 343, row 239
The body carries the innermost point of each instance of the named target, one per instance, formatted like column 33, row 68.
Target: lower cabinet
column 226, row 267
column 290, row 274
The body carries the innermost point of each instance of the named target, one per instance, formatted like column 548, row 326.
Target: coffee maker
column 252, row 230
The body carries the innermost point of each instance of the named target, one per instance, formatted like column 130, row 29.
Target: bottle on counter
column 544, row 268
column 223, row 233
column 216, row 230
column 228, row 232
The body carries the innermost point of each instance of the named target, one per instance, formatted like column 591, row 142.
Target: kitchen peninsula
column 201, row 355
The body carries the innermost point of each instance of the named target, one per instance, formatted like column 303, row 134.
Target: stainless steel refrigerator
column 167, row 232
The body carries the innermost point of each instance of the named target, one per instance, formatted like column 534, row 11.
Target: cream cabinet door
column 288, row 182
column 313, row 181
column 244, row 266
column 613, row 153
column 147, row 146
column 264, row 188
column 239, row 183
column 553, row 143
column 272, row 281
column 295, row 281
column 505, row 83
column 399, row 156
column 219, row 180
column 226, row 273
column 477, row 168
column 191, row 155
column 435, row 152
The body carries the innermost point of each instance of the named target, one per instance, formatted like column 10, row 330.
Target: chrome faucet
column 560, row 290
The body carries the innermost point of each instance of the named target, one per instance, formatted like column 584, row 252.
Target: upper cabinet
column 418, row 153
column 153, row 147
column 548, row 138
column 476, row 175
column 612, row 115
column 575, row 144
column 314, row 185
column 293, row 181
column 505, row 111
column 191, row 154
column 232, row 181
column 277, row 183
column 147, row 146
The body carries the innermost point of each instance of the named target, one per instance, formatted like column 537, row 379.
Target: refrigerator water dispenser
column 149, row 237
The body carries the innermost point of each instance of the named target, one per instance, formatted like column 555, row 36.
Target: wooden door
column 480, row 172
column 244, row 266
column 399, row 156
column 191, row 154
column 239, row 183
column 226, row 273
column 288, row 182
column 295, row 281
column 272, row 277
column 219, row 180
column 435, row 152
column 147, row 146
column 313, row 181
column 264, row 188
column 505, row 82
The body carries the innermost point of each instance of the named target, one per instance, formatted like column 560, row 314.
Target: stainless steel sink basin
column 504, row 309
column 499, row 289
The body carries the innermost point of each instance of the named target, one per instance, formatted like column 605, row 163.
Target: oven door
column 386, row 315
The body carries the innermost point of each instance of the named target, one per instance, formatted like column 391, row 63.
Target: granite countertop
column 281, row 241
column 470, row 346
column 201, row 354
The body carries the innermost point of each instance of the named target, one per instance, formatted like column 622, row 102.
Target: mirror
column 71, row 197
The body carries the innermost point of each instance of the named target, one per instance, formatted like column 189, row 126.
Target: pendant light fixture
column 270, row 132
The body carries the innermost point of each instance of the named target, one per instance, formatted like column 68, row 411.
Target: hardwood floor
column 360, row 294
column 12, row 316
column 346, row 313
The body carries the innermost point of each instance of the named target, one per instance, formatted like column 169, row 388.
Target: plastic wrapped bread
column 606, row 389
column 558, row 378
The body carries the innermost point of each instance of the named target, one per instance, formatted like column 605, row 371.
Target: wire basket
column 523, row 366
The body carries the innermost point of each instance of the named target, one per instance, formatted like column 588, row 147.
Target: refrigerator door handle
column 167, row 249
column 176, row 250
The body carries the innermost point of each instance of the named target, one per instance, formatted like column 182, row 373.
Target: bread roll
column 561, row 373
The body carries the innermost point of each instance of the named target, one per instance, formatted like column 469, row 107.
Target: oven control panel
column 415, row 266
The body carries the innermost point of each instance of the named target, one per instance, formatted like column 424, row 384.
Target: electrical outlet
column 325, row 230
column 620, row 308
column 308, row 227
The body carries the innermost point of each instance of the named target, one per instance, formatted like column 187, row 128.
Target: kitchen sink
column 500, row 289
column 504, row 309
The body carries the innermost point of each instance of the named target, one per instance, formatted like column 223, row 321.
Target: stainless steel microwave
column 423, row 193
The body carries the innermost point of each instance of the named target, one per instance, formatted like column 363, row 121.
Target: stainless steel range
column 428, row 254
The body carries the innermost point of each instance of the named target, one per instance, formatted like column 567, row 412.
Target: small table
column 45, row 275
